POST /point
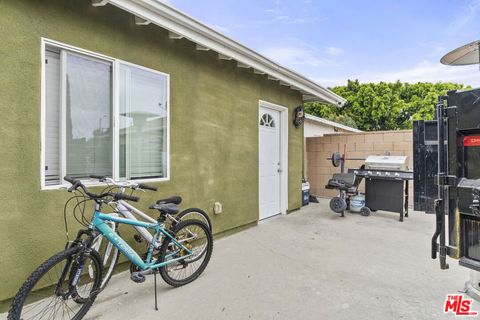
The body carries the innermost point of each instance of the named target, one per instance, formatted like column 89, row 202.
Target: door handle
column 279, row 170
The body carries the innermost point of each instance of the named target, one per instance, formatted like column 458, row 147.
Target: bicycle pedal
column 137, row 238
column 137, row 277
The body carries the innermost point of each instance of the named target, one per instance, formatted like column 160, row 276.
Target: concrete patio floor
column 310, row 264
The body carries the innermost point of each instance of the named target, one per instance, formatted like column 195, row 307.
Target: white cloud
column 300, row 20
column 296, row 56
column 431, row 50
column 333, row 51
column 463, row 18
column 220, row 29
column 285, row 19
column 425, row 71
column 281, row 14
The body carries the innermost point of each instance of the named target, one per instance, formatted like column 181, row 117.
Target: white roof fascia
column 99, row 3
column 141, row 22
column 173, row 35
column 179, row 23
column 331, row 123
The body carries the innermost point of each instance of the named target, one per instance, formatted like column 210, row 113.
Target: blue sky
column 332, row 41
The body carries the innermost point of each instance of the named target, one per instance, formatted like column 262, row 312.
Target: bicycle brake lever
column 137, row 188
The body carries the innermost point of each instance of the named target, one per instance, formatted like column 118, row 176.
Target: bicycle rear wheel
column 196, row 214
column 64, row 286
column 195, row 236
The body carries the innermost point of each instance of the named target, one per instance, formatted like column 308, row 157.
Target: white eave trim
column 181, row 24
column 331, row 123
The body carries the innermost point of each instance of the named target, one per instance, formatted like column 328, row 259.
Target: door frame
column 283, row 153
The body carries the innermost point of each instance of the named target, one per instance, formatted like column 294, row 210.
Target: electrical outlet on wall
column 217, row 208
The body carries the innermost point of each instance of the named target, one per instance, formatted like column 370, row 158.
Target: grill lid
column 386, row 162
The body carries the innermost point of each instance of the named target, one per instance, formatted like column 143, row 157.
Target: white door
column 270, row 166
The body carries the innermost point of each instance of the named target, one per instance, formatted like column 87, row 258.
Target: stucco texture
column 214, row 129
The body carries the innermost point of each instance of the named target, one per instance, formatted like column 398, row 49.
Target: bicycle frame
column 98, row 223
column 126, row 209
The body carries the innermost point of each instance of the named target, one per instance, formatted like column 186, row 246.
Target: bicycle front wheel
column 197, row 238
column 64, row 286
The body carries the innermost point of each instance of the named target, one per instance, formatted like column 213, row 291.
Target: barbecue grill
column 396, row 163
column 386, row 184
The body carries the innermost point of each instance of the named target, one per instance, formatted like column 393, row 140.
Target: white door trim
column 283, row 153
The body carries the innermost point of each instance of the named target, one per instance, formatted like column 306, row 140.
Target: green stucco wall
column 214, row 129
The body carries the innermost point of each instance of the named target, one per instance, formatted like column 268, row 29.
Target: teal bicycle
column 66, row 285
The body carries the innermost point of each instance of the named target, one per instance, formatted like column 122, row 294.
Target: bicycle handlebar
column 117, row 196
column 122, row 196
column 101, row 178
column 72, row 180
column 125, row 184
column 147, row 187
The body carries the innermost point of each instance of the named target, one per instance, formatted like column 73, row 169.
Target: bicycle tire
column 164, row 271
column 190, row 212
column 18, row 303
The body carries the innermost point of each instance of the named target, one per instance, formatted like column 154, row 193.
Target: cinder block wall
column 358, row 145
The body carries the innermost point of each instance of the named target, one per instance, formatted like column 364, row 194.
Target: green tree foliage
column 383, row 106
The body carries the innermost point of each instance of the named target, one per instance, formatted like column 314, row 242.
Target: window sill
column 93, row 184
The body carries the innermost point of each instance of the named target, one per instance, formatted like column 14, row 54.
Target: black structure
column 457, row 178
column 425, row 165
column 385, row 189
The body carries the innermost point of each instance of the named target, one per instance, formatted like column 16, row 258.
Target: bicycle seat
column 168, row 208
column 174, row 200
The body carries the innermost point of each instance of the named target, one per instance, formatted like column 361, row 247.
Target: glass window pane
column 52, row 117
column 143, row 123
column 88, row 117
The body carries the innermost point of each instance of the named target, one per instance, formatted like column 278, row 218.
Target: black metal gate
column 449, row 183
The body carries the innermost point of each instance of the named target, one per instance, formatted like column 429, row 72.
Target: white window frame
column 116, row 114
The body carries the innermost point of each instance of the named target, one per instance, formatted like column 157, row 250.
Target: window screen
column 52, row 117
column 143, row 123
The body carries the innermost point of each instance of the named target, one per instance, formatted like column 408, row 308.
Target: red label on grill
column 471, row 141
